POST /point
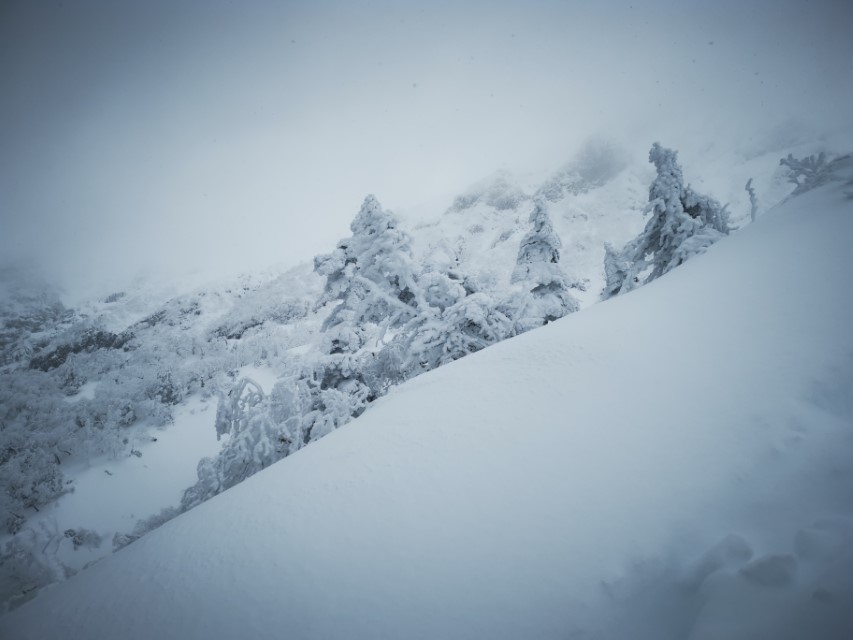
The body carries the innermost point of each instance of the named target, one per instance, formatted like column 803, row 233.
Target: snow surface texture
column 673, row 463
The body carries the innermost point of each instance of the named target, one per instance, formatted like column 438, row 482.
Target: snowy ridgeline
column 87, row 386
column 671, row 464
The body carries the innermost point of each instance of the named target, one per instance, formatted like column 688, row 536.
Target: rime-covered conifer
column 545, row 295
column 370, row 273
column 682, row 224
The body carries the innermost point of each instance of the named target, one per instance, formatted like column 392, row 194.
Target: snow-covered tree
column 258, row 428
column 371, row 273
column 545, row 296
column 616, row 271
column 807, row 173
column 683, row 223
column 252, row 442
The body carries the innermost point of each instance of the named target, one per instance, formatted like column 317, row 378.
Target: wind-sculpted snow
column 673, row 463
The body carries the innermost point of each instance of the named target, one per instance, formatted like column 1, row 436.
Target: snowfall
column 672, row 463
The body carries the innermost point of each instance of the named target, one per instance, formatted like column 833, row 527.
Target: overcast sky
column 227, row 136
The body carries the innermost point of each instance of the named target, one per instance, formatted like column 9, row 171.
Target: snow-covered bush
column 253, row 442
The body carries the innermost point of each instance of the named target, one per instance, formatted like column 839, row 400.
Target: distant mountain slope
column 674, row 463
column 28, row 307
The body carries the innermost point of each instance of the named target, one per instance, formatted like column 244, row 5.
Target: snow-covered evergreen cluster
column 384, row 323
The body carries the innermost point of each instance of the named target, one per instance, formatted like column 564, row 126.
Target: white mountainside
column 673, row 463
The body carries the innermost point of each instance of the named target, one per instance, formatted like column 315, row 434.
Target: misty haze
column 426, row 320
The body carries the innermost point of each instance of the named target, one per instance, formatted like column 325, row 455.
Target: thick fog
column 228, row 136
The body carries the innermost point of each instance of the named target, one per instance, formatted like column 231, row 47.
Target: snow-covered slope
column 674, row 463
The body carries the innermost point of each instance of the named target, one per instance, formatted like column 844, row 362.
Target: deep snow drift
column 673, row 463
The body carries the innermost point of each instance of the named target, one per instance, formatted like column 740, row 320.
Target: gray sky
column 227, row 136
